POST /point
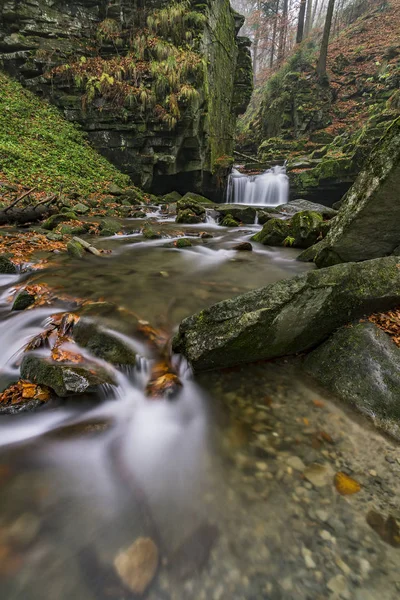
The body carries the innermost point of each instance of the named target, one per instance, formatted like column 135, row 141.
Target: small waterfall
column 270, row 188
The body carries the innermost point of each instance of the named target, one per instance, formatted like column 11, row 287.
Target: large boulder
column 64, row 378
column 289, row 316
column 6, row 266
column 243, row 214
column 295, row 206
column 361, row 364
column 368, row 223
column 306, row 228
column 273, row 233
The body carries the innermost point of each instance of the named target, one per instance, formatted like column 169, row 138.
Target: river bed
column 223, row 479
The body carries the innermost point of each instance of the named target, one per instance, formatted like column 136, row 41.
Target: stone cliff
column 156, row 86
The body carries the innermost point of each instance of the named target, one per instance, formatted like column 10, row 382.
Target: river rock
column 52, row 222
column 196, row 198
column 183, row 243
column 229, row 221
column 288, row 316
column 243, row 247
column 103, row 343
column 367, row 226
column 172, row 197
column 188, row 203
column 109, row 227
column 361, row 365
column 189, row 217
column 65, row 379
column 295, row 206
column 150, row 233
column 305, row 228
column 243, row 214
column 138, row 564
column 273, row 233
column 75, row 249
column 6, row 266
column 22, row 300
column 264, row 216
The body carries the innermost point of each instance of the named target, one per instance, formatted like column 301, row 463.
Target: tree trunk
column 321, row 65
column 271, row 60
column 314, row 12
column 307, row 26
column 282, row 33
column 255, row 58
column 300, row 22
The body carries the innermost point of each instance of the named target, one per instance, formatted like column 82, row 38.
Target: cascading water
column 270, row 188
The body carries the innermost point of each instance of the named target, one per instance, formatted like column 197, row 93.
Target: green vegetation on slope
column 39, row 148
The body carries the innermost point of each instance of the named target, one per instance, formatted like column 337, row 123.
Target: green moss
column 39, row 148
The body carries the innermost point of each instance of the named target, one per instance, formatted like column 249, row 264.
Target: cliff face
column 156, row 88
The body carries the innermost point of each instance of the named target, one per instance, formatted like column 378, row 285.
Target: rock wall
column 178, row 138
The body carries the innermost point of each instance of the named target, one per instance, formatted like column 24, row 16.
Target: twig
column 87, row 246
column 20, row 198
column 49, row 199
column 253, row 158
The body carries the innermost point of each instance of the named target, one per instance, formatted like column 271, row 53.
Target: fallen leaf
column 346, row 485
column 318, row 403
column 138, row 564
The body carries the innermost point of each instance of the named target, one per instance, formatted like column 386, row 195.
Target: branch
column 20, row 198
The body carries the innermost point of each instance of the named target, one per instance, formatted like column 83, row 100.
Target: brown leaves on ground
column 21, row 246
column 22, row 391
column 163, row 381
column 389, row 322
column 387, row 529
column 346, row 485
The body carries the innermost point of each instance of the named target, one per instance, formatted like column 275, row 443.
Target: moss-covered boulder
column 368, row 222
column 188, row 216
column 294, row 206
column 191, row 196
column 7, row 267
column 306, row 228
column 183, row 243
column 264, row 216
column 188, row 203
column 150, row 233
column 65, row 379
column 172, row 197
column 289, row 316
column 52, row 222
column 273, row 233
column 229, row 221
column 242, row 214
column 103, row 343
column 109, row 227
column 22, row 300
column 361, row 365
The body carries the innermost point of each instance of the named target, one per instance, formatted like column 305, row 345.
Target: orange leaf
column 346, row 485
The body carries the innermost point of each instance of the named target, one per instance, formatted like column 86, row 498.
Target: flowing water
column 214, row 477
column 270, row 188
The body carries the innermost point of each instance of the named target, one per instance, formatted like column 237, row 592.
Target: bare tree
column 283, row 30
column 300, row 22
column 321, row 65
column 307, row 26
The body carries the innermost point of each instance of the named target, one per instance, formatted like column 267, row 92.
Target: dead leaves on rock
column 387, row 529
column 56, row 335
column 137, row 565
column 163, row 381
column 22, row 391
column 22, row 247
column 389, row 322
column 346, row 485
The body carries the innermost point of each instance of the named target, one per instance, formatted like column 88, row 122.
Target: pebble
column 322, row 515
column 373, row 473
column 296, row 463
column 325, row 535
column 262, row 466
column 338, row 586
column 319, row 475
column 342, row 566
column 308, row 559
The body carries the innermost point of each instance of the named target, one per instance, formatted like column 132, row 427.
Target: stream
column 222, row 478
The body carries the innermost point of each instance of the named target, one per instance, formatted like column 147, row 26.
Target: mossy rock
column 52, row 222
column 183, row 243
column 189, row 217
column 264, row 217
column 138, row 214
column 192, row 205
column 22, row 300
column 191, row 196
column 150, row 233
column 172, row 197
column 133, row 197
column 103, row 343
column 6, row 266
column 55, row 237
column 242, row 214
column 81, row 208
column 306, row 228
column 229, row 221
column 64, row 379
column 109, row 227
column 75, row 249
column 273, row 233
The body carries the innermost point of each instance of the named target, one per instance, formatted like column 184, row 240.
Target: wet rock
column 137, row 565
column 22, row 300
column 150, row 233
column 172, row 197
column 183, row 243
column 189, row 217
column 103, row 343
column 187, row 203
column 295, row 206
column 229, row 221
column 6, row 266
column 319, row 475
column 264, row 216
column 361, row 364
column 243, row 247
column 81, row 208
column 191, row 196
column 115, row 190
column 367, row 226
column 65, row 379
column 296, row 463
column 273, row 233
column 109, row 227
column 243, row 214
column 289, row 316
column 205, row 235
column 306, row 228
column 55, row 237
column 52, row 222
column 75, row 249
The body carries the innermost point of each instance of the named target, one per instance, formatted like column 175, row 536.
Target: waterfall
column 270, row 188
